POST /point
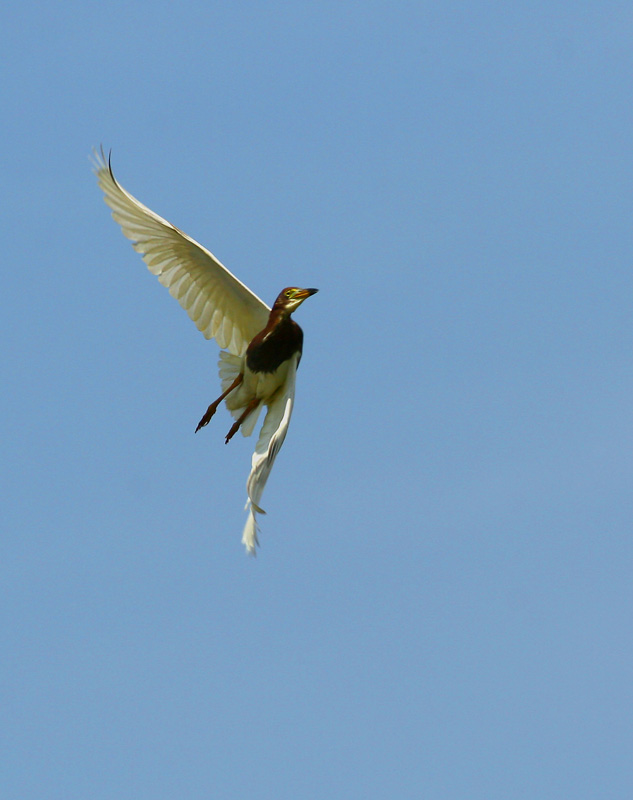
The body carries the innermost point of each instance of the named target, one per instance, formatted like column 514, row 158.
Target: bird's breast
column 278, row 342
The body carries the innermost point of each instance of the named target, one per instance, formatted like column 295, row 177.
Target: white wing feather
column 271, row 438
column 221, row 306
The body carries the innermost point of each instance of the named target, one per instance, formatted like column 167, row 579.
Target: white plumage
column 224, row 309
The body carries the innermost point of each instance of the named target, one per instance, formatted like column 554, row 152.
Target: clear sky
column 442, row 604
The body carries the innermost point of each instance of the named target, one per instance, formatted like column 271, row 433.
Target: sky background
column 442, row 604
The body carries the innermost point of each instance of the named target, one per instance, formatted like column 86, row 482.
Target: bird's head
column 290, row 299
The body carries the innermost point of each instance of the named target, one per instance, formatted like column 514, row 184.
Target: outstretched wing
column 222, row 307
column 271, row 437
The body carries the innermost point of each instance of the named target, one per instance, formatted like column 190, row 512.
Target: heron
column 260, row 346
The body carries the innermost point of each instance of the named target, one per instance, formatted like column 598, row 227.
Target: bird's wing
column 271, row 437
column 222, row 307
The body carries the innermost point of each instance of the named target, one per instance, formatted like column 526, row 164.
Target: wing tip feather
column 249, row 536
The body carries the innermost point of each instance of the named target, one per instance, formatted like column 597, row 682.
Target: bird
column 260, row 346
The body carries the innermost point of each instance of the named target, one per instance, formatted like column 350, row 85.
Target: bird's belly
column 262, row 385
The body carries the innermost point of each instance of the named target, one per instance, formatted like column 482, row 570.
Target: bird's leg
column 236, row 425
column 214, row 405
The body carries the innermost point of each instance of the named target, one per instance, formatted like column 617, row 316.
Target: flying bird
column 261, row 346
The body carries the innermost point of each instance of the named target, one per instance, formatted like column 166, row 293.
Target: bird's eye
column 289, row 293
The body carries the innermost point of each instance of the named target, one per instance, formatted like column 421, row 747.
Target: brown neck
column 276, row 316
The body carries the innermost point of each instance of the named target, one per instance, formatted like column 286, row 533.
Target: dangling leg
column 236, row 425
column 214, row 406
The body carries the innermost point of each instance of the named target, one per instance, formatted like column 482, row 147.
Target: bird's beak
column 299, row 296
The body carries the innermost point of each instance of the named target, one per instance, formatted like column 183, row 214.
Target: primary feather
column 221, row 306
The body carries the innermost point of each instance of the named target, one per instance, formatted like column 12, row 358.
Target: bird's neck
column 277, row 316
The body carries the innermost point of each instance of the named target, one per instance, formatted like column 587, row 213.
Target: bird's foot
column 236, row 425
column 234, row 429
column 207, row 416
column 214, row 405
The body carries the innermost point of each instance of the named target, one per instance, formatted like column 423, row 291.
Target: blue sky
column 441, row 607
